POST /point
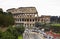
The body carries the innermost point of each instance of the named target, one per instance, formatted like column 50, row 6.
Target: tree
column 59, row 19
column 38, row 24
column 16, row 31
column 1, row 34
column 7, row 35
column 47, row 27
column 54, row 19
column 6, row 19
column 13, row 31
column 1, row 11
column 20, row 29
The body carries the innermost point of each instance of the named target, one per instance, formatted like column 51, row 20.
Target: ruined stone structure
column 27, row 16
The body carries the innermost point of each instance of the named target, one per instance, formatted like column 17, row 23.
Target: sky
column 44, row 7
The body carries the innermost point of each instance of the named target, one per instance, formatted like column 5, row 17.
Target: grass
column 56, row 27
column 55, row 24
column 20, row 37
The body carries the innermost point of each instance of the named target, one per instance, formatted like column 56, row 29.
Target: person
column 42, row 29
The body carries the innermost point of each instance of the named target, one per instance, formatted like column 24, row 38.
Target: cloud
column 44, row 7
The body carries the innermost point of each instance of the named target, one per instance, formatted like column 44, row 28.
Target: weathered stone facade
column 27, row 16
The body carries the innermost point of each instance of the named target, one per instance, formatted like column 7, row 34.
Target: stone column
column 21, row 20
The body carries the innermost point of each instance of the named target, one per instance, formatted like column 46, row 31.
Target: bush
column 7, row 35
column 56, row 29
column 12, row 32
column 20, row 29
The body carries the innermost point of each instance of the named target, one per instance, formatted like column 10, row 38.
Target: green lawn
column 55, row 24
column 20, row 37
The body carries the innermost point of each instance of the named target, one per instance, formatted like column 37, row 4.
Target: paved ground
column 37, row 35
column 32, row 35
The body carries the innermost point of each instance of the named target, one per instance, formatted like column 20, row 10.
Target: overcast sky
column 44, row 7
